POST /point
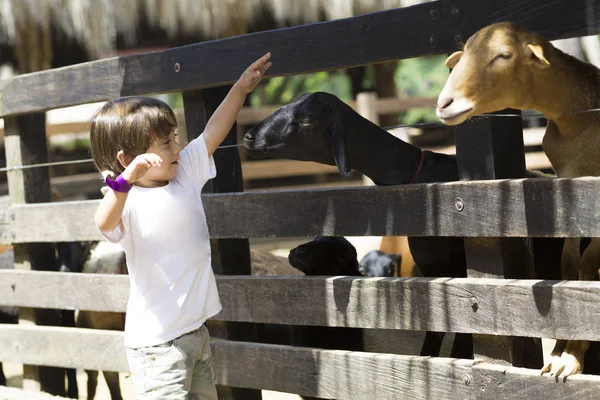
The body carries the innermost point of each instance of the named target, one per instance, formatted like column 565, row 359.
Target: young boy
column 154, row 211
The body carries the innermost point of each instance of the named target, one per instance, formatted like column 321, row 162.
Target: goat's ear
column 338, row 146
column 537, row 56
column 453, row 59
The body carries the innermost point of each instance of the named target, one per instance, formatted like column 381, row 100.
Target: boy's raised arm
column 222, row 120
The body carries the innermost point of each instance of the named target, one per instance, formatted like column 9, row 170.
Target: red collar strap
column 418, row 168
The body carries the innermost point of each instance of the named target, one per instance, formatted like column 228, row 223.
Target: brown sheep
column 506, row 66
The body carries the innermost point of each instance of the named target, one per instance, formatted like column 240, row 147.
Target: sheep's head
column 494, row 71
column 308, row 129
column 328, row 256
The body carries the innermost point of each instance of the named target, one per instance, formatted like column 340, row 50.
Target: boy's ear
column 122, row 159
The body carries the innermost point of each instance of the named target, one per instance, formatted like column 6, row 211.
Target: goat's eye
column 505, row 54
column 305, row 123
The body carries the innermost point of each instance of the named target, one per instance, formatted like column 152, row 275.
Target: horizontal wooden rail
column 545, row 308
column 307, row 371
column 538, row 207
column 429, row 28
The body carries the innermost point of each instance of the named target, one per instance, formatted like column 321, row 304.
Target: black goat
column 328, row 256
column 320, row 127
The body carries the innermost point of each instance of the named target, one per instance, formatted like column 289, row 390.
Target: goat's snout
column 249, row 136
column 444, row 102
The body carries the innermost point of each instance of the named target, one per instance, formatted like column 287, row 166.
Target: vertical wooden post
column 25, row 141
column 229, row 256
column 366, row 106
column 492, row 148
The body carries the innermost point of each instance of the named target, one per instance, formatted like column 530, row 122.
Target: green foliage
column 284, row 89
column 420, row 77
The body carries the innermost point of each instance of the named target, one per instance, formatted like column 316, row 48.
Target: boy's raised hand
column 254, row 73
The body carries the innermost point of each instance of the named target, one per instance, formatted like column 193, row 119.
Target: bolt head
column 459, row 204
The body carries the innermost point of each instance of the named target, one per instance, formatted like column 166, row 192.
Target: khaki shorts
column 179, row 369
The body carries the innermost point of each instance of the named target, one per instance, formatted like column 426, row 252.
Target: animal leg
column 560, row 360
column 553, row 363
column 571, row 359
column 569, row 262
column 590, row 261
column 2, row 376
column 112, row 381
column 92, row 383
column 72, row 388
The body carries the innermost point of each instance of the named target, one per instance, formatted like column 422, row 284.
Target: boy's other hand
column 140, row 166
column 253, row 74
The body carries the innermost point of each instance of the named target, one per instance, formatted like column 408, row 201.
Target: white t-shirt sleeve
column 117, row 234
column 114, row 236
column 195, row 166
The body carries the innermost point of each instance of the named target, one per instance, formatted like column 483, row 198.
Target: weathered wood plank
column 419, row 30
column 93, row 292
column 497, row 382
column 503, row 208
column 488, row 306
column 323, row 373
column 63, row 347
column 340, row 374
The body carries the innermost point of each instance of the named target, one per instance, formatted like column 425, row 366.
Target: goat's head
column 376, row 263
column 494, row 71
column 308, row 129
column 328, row 256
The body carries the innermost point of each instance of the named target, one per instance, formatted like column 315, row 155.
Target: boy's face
column 168, row 150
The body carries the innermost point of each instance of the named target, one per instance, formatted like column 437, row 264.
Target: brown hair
column 131, row 124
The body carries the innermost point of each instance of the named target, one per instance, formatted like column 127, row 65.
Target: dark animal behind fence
column 320, row 127
column 328, row 256
column 377, row 263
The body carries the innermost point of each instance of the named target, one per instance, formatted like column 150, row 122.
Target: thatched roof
column 33, row 29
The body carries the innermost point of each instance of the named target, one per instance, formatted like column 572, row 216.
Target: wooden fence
column 497, row 214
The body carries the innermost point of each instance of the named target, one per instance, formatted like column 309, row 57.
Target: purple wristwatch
column 118, row 185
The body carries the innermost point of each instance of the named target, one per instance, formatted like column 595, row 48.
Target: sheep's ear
column 537, row 56
column 338, row 147
column 453, row 59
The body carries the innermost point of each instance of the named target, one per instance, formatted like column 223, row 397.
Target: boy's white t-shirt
column 165, row 238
